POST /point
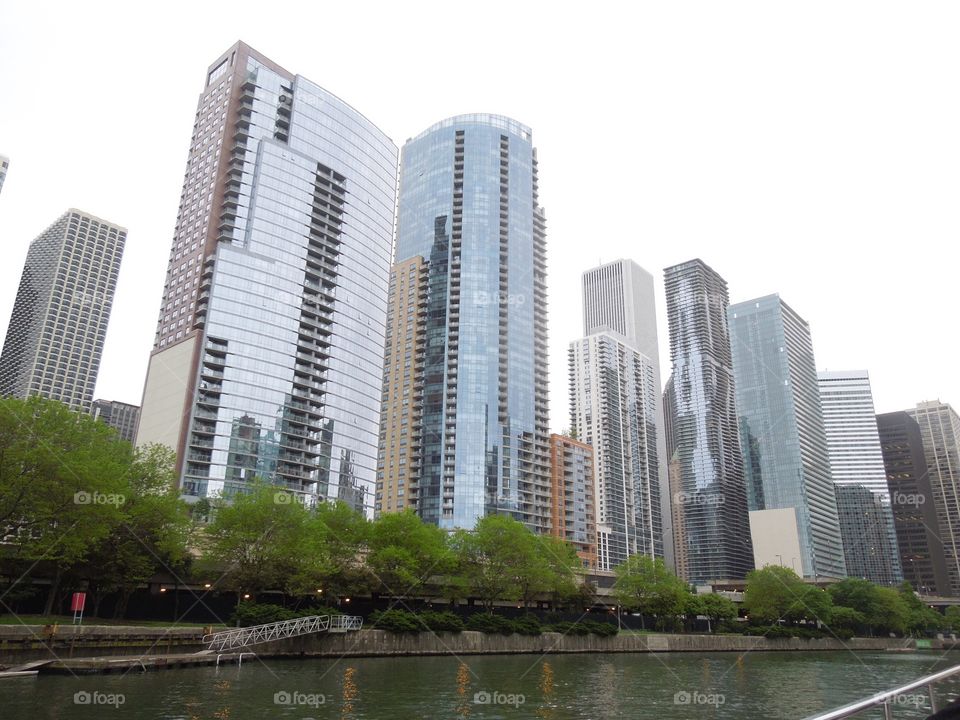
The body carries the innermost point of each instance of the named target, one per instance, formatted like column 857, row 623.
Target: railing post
column 933, row 699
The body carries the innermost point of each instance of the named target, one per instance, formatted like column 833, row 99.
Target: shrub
column 603, row 629
column 396, row 621
column 489, row 623
column 526, row 625
column 248, row 614
column 568, row 628
column 441, row 621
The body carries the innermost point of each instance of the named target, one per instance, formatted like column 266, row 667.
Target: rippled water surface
column 660, row 686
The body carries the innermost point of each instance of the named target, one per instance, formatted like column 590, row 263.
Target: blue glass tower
column 468, row 206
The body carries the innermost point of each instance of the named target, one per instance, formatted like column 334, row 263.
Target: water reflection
column 464, row 698
column 547, row 709
column 350, row 692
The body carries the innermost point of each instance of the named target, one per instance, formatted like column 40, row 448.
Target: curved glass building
column 269, row 350
column 468, row 207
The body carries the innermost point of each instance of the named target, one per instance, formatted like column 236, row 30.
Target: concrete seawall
column 380, row 642
column 21, row 644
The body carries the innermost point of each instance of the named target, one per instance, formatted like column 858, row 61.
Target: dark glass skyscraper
column 469, row 207
column 786, row 458
column 703, row 443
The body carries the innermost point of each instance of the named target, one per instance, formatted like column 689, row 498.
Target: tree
column 714, row 607
column 917, row 618
column 62, row 482
column 339, row 535
column 563, row 568
column 952, row 618
column 404, row 552
column 153, row 532
column 259, row 540
column 646, row 585
column 494, row 559
column 777, row 593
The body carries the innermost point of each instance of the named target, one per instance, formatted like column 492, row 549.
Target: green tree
column 493, row 558
column 846, row 618
column 405, row 552
column 62, row 482
column 339, row 536
column 952, row 618
column 259, row 540
column 646, row 585
column 917, row 618
column 777, row 593
column 714, row 607
column 153, row 532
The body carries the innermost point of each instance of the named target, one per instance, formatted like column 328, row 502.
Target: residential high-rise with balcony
column 268, row 360
column 860, row 480
column 572, row 513
column 122, row 417
column 613, row 407
column 468, row 206
column 940, row 430
column 704, row 444
column 59, row 322
column 619, row 298
column 398, row 464
column 921, row 548
column 785, row 454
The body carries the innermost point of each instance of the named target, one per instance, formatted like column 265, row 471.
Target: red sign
column 78, row 602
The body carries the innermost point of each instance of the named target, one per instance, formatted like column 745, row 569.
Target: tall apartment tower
column 921, row 549
column 59, row 322
column 785, row 454
column 613, row 407
column 122, row 417
column 940, row 430
column 573, row 516
column 4, row 165
column 619, row 297
column 268, row 360
column 704, row 444
column 399, row 457
column 469, row 208
column 859, row 478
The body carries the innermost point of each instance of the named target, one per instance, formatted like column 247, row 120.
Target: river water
column 555, row 687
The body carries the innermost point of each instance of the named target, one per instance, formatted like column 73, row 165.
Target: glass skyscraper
column 785, row 455
column 859, row 477
column 703, row 447
column 468, row 206
column 269, row 349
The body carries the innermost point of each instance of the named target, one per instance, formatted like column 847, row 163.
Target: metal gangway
column 892, row 699
column 244, row 637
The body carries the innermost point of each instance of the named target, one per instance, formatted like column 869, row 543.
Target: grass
column 68, row 620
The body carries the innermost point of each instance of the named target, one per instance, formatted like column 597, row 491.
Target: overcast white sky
column 805, row 148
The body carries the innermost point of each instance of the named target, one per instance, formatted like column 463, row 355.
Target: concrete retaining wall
column 381, row 642
column 23, row 643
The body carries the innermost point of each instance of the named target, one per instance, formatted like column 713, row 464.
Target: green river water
column 555, row 687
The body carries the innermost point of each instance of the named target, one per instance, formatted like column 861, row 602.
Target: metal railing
column 243, row 637
column 891, row 698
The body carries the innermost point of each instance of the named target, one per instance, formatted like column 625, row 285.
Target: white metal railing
column 242, row 637
column 887, row 700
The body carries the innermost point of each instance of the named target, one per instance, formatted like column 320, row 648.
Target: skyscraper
column 468, row 206
column 613, row 407
column 940, row 430
column 856, row 464
column 268, row 358
column 704, row 445
column 921, row 549
column 619, row 297
column 785, row 456
column 399, row 457
column 573, row 517
column 59, row 322
column 122, row 417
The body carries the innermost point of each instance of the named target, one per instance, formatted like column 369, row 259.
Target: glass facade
column 703, row 445
column 292, row 302
column 856, row 464
column 785, row 455
column 468, row 205
column 614, row 401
